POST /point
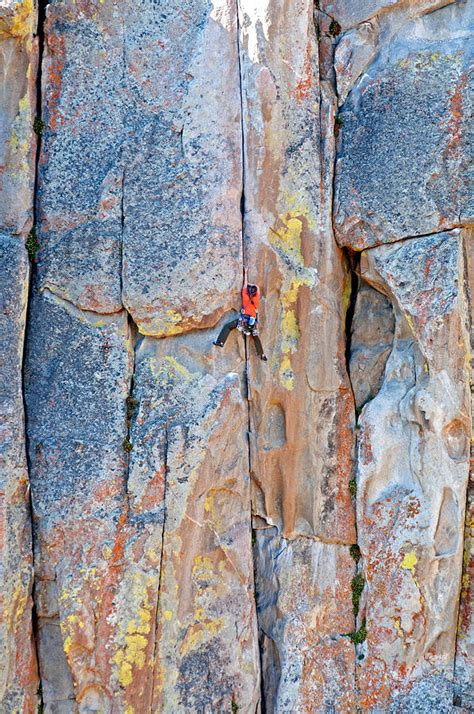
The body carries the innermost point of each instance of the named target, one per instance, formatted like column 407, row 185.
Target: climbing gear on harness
column 247, row 324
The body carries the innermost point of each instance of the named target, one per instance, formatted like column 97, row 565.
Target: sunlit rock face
column 186, row 528
column 412, row 471
column 18, row 67
column 403, row 164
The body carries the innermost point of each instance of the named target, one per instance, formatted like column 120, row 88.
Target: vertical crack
column 160, row 575
column 353, row 268
column 461, row 689
column 32, row 246
column 122, row 224
column 248, row 393
column 327, row 30
column 242, row 211
column 131, row 406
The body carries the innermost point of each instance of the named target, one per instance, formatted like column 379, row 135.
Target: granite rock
column 301, row 406
column 303, row 590
column 403, row 167
column 181, row 141
column 18, row 63
column 412, row 470
column 182, row 164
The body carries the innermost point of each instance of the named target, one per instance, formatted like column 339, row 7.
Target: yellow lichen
column 133, row 632
column 409, row 561
column 141, row 623
column 20, row 25
column 287, row 239
column 196, row 634
column 132, row 654
column 20, row 139
column 169, row 369
column 290, row 332
column 411, row 324
column 398, row 626
column 16, row 607
column 166, row 326
column 202, row 566
column 287, row 376
column 152, row 555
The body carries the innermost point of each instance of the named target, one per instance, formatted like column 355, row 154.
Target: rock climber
column 247, row 322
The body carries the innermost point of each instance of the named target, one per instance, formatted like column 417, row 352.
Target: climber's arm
column 245, row 281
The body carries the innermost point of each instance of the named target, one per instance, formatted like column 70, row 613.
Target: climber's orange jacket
column 250, row 304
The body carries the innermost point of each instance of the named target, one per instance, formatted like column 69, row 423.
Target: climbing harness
column 247, row 324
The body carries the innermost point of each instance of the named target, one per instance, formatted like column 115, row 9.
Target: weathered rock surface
column 182, row 164
column 303, row 590
column 206, row 644
column 301, row 406
column 77, row 363
column 352, row 13
column 372, row 332
column 18, row 673
column 141, row 500
column 413, row 465
column 402, row 169
column 464, row 665
column 301, row 403
column 180, row 142
column 80, row 222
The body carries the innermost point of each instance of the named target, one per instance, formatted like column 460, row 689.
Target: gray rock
column 412, row 472
column 182, row 165
column 77, row 376
column 191, row 455
column 371, row 341
column 302, row 589
column 80, row 173
column 402, row 167
column 349, row 13
column 56, row 679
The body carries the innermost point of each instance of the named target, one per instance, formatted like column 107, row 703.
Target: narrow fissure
column 242, row 212
column 131, row 405
column 352, row 267
column 459, row 694
column 248, row 395
column 160, row 576
column 32, row 245
column 353, row 263
column 122, row 225
column 358, row 636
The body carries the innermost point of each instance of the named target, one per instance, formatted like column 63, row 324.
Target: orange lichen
column 57, row 52
column 303, row 87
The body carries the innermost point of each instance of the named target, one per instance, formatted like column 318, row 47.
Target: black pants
column 224, row 334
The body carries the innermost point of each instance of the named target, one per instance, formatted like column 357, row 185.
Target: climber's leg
column 224, row 333
column 259, row 348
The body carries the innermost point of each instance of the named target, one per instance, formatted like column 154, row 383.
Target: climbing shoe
column 218, row 344
column 264, row 358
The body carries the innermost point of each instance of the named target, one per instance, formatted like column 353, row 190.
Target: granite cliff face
column 187, row 529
